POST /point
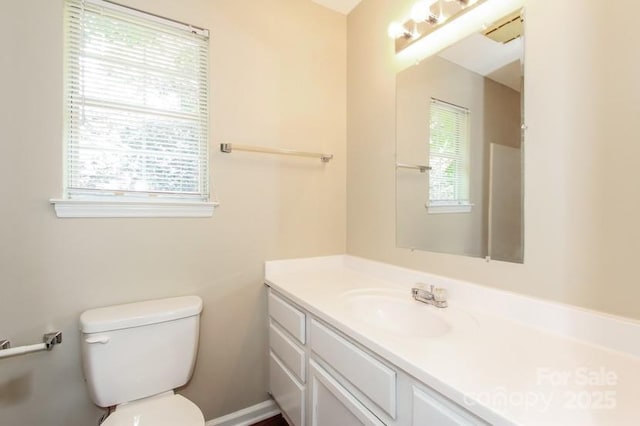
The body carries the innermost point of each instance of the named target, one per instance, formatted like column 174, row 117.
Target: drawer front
column 370, row 376
column 333, row 405
column 287, row 392
column 290, row 318
column 287, row 351
column 430, row 408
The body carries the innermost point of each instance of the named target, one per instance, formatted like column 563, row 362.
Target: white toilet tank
column 139, row 349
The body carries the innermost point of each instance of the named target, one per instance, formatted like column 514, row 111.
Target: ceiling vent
column 505, row 30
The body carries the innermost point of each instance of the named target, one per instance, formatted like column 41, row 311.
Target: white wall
column 278, row 78
column 582, row 101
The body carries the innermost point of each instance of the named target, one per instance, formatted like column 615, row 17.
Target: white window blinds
column 448, row 154
column 136, row 104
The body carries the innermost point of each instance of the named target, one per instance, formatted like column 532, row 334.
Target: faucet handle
column 439, row 294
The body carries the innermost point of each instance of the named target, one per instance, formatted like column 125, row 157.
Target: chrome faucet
column 434, row 296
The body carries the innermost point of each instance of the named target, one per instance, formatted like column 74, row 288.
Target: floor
column 273, row 421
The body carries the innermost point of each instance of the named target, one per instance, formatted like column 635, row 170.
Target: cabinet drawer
column 290, row 318
column 370, row 376
column 431, row 408
column 287, row 351
column 287, row 392
column 332, row 404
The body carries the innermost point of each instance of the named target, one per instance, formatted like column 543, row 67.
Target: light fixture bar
column 457, row 22
column 434, row 20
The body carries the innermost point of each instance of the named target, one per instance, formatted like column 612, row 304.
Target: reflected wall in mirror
column 459, row 147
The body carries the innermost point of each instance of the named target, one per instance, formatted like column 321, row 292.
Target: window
column 448, row 158
column 136, row 113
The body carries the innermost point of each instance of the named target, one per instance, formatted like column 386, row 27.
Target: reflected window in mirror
column 448, row 158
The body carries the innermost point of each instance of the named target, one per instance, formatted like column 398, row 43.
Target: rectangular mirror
column 459, row 144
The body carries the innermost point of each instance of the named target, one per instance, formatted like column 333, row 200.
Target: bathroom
column 297, row 74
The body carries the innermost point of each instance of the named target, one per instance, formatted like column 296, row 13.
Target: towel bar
column 49, row 340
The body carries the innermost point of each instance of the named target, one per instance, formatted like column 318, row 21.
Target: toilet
column 135, row 355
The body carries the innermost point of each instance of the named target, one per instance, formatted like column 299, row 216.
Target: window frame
column 116, row 203
column 462, row 203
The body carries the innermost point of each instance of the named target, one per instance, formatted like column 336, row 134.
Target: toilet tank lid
column 138, row 314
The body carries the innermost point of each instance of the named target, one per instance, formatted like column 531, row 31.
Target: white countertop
column 508, row 358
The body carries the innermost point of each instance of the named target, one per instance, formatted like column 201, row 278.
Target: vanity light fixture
column 421, row 12
column 425, row 17
column 465, row 3
column 397, row 30
column 435, row 24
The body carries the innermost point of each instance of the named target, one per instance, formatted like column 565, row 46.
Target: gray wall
column 278, row 78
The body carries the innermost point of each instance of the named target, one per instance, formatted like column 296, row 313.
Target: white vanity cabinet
column 431, row 408
column 321, row 377
column 332, row 404
column 287, row 358
column 369, row 376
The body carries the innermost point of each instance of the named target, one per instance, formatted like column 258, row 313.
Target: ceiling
column 342, row 6
column 480, row 54
column 496, row 52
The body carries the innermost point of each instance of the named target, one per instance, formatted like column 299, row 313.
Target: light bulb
column 420, row 11
column 396, row 30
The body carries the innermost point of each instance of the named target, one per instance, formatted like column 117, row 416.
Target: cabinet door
column 430, row 409
column 333, row 405
column 370, row 376
column 287, row 392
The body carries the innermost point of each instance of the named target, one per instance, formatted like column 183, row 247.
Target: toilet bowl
column 135, row 355
column 162, row 410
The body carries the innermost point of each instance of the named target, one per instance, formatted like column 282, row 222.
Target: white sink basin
column 396, row 312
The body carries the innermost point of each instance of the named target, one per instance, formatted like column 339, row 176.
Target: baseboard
column 247, row 416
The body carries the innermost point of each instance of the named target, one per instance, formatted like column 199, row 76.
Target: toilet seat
column 164, row 410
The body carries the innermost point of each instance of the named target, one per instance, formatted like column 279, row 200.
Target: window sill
column 450, row 208
column 131, row 208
